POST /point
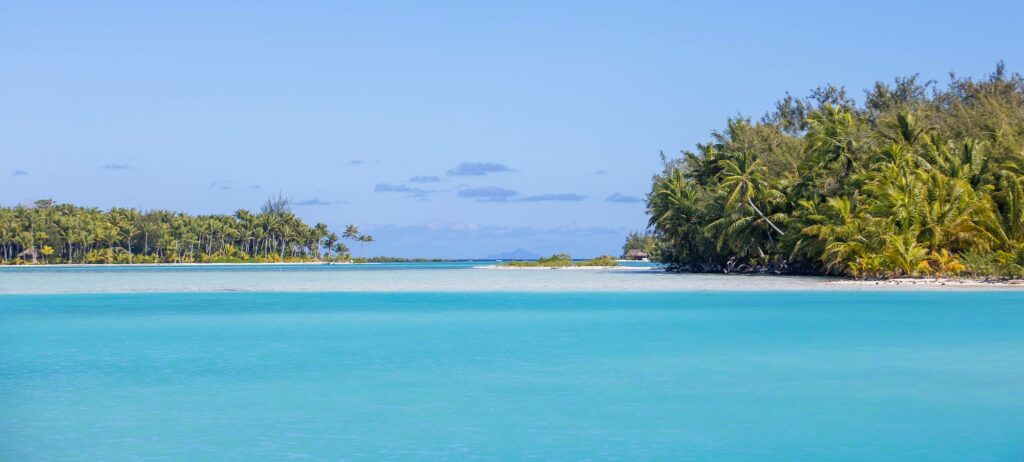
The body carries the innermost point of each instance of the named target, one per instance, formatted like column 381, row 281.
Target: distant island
column 915, row 181
column 48, row 232
column 517, row 254
column 561, row 260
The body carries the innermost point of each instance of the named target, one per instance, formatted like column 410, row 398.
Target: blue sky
column 447, row 129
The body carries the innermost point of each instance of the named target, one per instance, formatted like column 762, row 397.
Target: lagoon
column 653, row 375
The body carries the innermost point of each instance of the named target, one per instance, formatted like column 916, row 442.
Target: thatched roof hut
column 30, row 252
column 636, row 254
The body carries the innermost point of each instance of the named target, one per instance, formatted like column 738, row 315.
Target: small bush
column 604, row 260
column 561, row 260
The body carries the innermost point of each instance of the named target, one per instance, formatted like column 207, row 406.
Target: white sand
column 931, row 282
column 450, row 278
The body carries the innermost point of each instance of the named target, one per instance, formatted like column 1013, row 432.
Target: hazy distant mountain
column 517, row 254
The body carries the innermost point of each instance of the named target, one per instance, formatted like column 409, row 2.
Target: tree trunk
column 760, row 214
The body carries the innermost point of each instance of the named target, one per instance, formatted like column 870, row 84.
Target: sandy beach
column 931, row 282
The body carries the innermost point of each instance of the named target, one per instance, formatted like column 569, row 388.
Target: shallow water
column 723, row 376
column 389, row 277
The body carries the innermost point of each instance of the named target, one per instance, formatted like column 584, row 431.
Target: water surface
column 653, row 376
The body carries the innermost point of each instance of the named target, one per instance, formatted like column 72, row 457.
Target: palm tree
column 670, row 203
column 351, row 232
column 8, row 231
column 742, row 180
column 830, row 138
column 317, row 236
column 703, row 165
column 905, row 129
column 840, row 226
column 107, row 233
column 329, row 242
column 955, row 217
column 47, row 251
column 363, row 239
column 342, row 250
column 1008, row 205
column 946, row 263
column 126, row 221
column 903, row 254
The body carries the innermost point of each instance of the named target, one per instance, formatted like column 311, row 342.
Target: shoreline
column 104, row 265
column 929, row 282
column 826, row 283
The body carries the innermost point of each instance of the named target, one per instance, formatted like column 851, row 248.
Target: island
column 51, row 233
column 916, row 180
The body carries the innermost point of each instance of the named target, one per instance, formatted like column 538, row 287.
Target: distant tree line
column 918, row 180
column 63, row 233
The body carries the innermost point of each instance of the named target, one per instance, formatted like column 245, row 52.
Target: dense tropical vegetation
column 917, row 180
column 63, row 233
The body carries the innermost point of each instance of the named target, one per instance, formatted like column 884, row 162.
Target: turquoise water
column 641, row 376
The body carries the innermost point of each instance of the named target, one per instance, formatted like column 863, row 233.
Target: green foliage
column 397, row 260
column 604, row 260
column 995, row 264
column 641, row 241
column 561, row 260
column 557, row 260
column 918, row 181
column 64, row 233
